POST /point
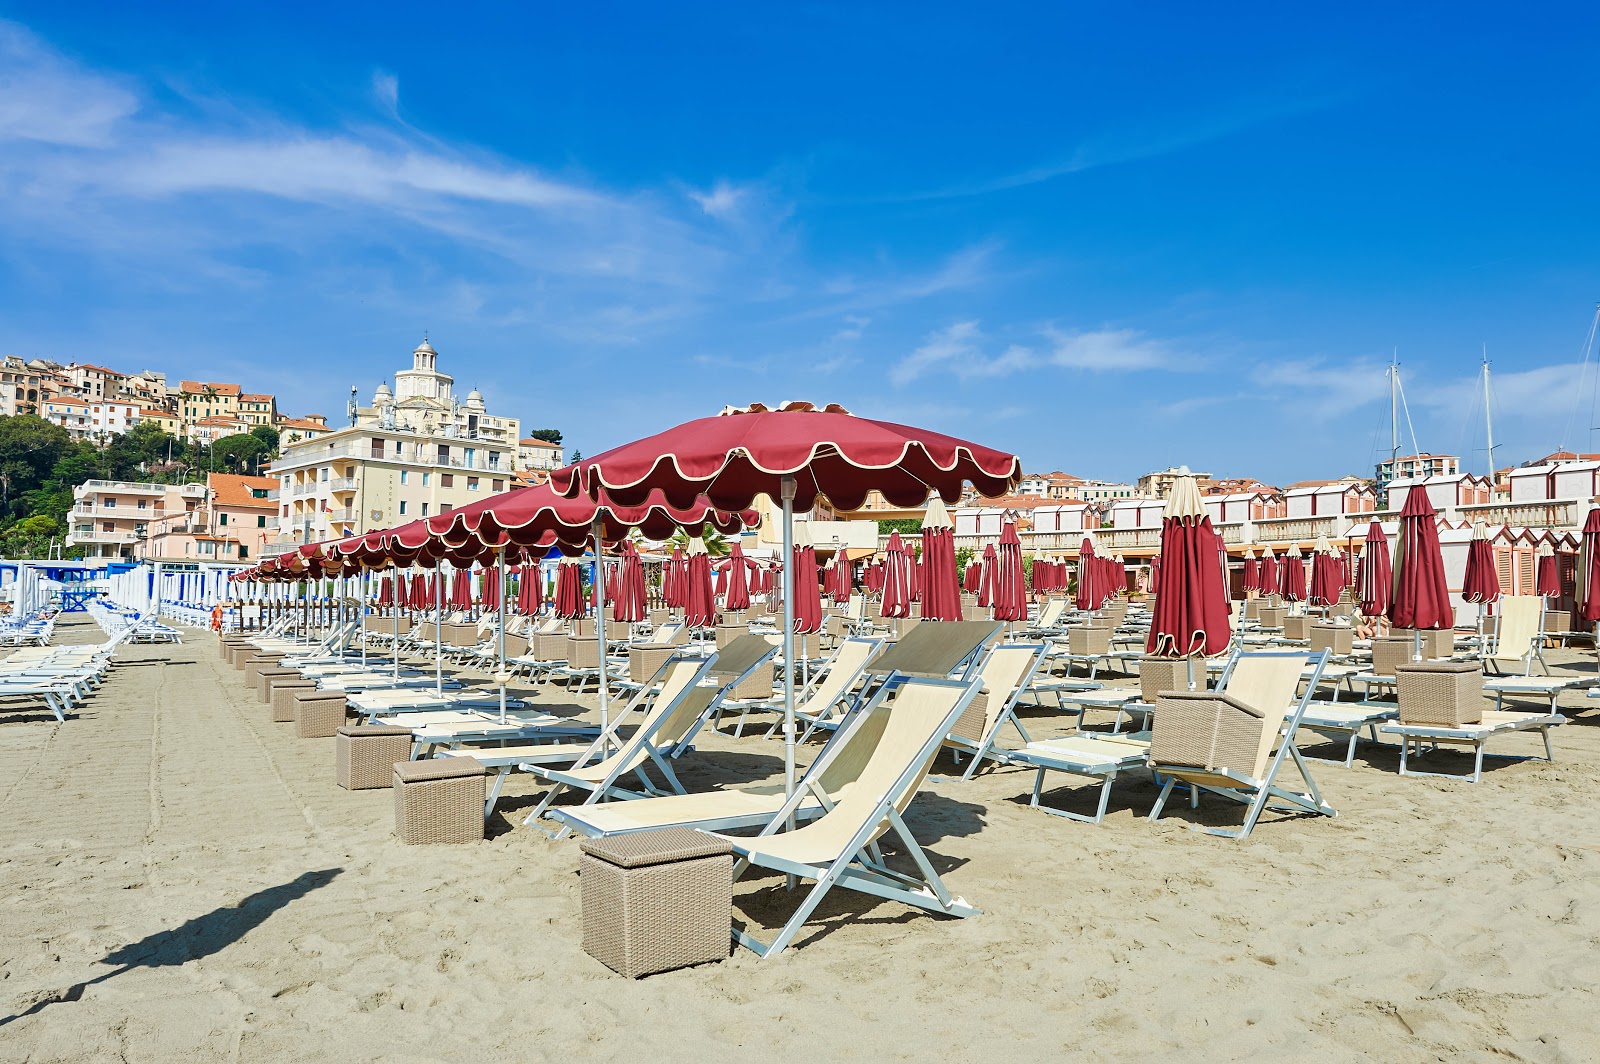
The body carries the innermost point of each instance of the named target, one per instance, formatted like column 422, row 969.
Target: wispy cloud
column 46, row 98
column 962, row 349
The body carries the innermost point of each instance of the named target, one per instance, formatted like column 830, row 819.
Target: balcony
column 124, row 513
column 96, row 536
column 119, row 487
column 345, row 514
column 342, row 484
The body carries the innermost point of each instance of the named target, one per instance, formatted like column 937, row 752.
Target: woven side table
column 255, row 663
column 970, row 725
column 365, row 755
column 226, row 647
column 583, row 653
column 265, row 678
column 547, row 647
column 1388, row 654
column 657, row 900
column 439, row 800
column 1338, row 638
column 757, row 686
column 644, row 660
column 318, row 714
column 1167, row 674
column 283, row 693
column 1295, row 627
column 1085, row 641
column 1447, row 693
column 1272, row 616
column 1206, row 730
column 1436, row 642
column 727, row 633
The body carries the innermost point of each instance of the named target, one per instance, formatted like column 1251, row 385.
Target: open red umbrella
column 941, row 597
column 1011, row 594
column 1589, row 570
column 699, row 603
column 1191, row 610
column 793, row 455
column 1293, row 579
column 1547, row 574
column 1481, row 582
column 1421, row 595
column 896, row 601
column 736, row 568
column 1376, row 575
column 569, row 597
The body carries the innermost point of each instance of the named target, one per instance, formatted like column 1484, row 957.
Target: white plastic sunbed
column 1096, row 757
column 1495, row 723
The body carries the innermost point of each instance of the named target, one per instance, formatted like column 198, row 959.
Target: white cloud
column 960, row 349
column 386, row 90
column 46, row 98
column 724, row 199
column 1106, row 349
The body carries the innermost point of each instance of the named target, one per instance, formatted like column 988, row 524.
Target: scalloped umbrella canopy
column 699, row 602
column 807, row 591
column 1481, row 582
column 1293, row 577
column 1421, row 597
column 1376, row 573
column 1547, row 574
column 1010, row 589
column 569, row 592
column 1191, row 609
column 896, row 600
column 736, row 569
column 1589, row 569
column 941, row 594
column 740, row 454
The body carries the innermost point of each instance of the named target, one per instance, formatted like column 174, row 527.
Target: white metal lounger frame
column 1256, row 793
column 1098, row 758
column 1477, row 737
column 859, row 865
column 1007, row 712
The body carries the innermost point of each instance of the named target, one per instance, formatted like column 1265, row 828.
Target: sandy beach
column 183, row 880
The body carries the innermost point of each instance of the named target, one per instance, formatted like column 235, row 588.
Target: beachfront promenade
column 184, row 881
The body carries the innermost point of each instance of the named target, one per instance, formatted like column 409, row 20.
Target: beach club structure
column 582, row 639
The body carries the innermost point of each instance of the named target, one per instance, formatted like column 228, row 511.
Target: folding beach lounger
column 1050, row 620
column 829, row 692
column 1258, row 692
column 1006, row 673
column 840, row 847
column 1495, row 723
column 1518, row 644
column 1096, row 757
column 1346, row 721
column 379, row 703
column 59, row 698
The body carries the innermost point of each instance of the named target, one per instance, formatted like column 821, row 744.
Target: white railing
column 343, row 483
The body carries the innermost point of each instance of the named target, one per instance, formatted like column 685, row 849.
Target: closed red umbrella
column 896, row 600
column 736, row 569
column 941, row 597
column 873, row 577
column 1293, row 581
column 1267, row 572
column 421, row 597
column 386, row 592
column 1085, row 597
column 986, row 586
column 1421, row 595
column 672, row 585
column 1481, row 582
column 461, row 590
column 846, row 577
column 1326, row 579
column 490, row 590
column 1589, row 570
column 628, row 607
column 973, row 579
column 1190, row 616
column 1376, row 576
column 530, row 590
column 807, row 591
column 699, row 605
column 1547, row 575
column 1252, row 572
column 1011, row 594
column 569, row 591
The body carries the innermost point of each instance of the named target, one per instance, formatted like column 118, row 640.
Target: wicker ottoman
column 583, row 653
column 226, row 647
column 645, row 660
column 1252, row 609
column 1088, row 641
column 1436, row 642
column 1557, row 621
column 318, row 714
column 1296, row 626
column 1167, row 674
column 283, row 693
column 758, row 686
column 438, row 800
column 365, row 755
column 1388, row 654
column 1338, row 638
column 265, row 678
column 1205, row 730
column 973, row 720
column 657, row 618
column 1447, row 693
column 547, row 647
column 727, row 633
column 1272, row 616
column 656, row 900
column 255, row 663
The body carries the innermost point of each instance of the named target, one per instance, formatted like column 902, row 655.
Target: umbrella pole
column 500, row 633
column 787, row 492
column 395, row 569
column 438, row 628
column 600, row 633
column 366, row 581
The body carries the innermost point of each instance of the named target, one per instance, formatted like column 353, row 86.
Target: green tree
column 716, row 542
column 29, row 449
column 547, row 435
column 38, row 525
column 268, row 436
column 237, row 453
column 903, row 525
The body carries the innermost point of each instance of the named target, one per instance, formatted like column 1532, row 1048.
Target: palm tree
column 716, row 542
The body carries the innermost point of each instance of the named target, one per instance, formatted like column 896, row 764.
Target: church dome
column 383, row 395
column 424, row 348
column 475, row 398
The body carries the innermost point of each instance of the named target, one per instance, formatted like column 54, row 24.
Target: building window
column 402, row 508
column 222, row 519
column 261, row 520
column 472, row 483
column 244, row 552
column 405, row 476
column 424, row 509
column 447, row 480
column 499, row 485
column 426, row 477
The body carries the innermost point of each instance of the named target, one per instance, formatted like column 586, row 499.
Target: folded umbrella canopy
column 1481, row 582
column 1011, row 594
column 941, row 597
column 986, row 586
column 1376, row 576
column 1086, row 598
column 699, row 602
column 1589, row 570
column 461, row 590
column 1155, row 574
column 628, row 607
column 570, row 602
column 1267, row 572
column 672, row 580
column 896, row 601
column 1252, row 572
column 794, row 454
column 737, row 569
column 973, row 578
column 1191, row 610
column 421, row 592
column 386, row 592
column 489, row 588
column 1292, row 579
column 807, row 590
column 1547, row 572
column 530, row 590
column 1421, row 597
column 1327, row 579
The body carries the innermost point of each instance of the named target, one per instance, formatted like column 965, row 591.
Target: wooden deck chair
column 675, row 713
column 1518, row 641
column 840, row 847
column 1259, row 685
column 1007, row 672
column 840, row 764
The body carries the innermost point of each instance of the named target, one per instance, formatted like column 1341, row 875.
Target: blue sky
column 1109, row 237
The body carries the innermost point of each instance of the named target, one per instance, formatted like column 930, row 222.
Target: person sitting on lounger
column 1369, row 628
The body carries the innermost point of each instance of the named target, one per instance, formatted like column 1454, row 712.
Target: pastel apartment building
column 232, row 520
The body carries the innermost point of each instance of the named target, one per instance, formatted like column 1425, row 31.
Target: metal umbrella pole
column 600, row 632
column 438, row 628
column 787, row 492
column 500, row 631
column 395, row 571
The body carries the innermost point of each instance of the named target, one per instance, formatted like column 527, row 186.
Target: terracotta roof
column 221, row 420
column 255, row 398
column 228, row 489
column 200, row 386
column 532, row 442
column 100, row 369
column 68, row 399
column 301, row 423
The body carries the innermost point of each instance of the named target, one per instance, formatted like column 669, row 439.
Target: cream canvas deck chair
column 1518, row 644
column 840, row 847
column 830, row 689
column 737, row 662
column 1051, row 619
column 676, row 712
column 838, row 765
column 1258, row 685
column 1006, row 673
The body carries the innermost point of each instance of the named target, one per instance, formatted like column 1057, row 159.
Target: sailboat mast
column 1394, row 413
column 1488, row 418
